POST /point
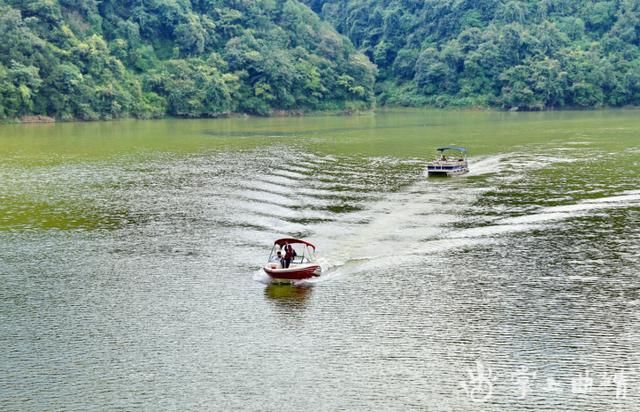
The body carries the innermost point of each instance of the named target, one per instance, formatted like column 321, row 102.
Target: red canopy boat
column 303, row 264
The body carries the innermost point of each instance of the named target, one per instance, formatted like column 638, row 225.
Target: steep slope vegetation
column 525, row 54
column 91, row 59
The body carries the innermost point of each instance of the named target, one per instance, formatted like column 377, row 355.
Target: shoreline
column 43, row 119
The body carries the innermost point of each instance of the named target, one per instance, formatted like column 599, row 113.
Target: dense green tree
column 524, row 54
column 90, row 59
column 105, row 59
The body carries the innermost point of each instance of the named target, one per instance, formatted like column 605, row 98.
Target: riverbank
column 42, row 119
column 35, row 119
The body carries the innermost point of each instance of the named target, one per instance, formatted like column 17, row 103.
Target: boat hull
column 455, row 172
column 297, row 272
column 444, row 169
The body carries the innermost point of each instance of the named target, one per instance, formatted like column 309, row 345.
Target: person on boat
column 289, row 254
column 443, row 158
column 278, row 257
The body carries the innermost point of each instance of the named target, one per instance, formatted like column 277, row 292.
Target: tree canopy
column 105, row 59
column 90, row 59
column 513, row 54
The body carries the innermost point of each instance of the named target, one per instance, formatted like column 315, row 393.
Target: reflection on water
column 133, row 277
column 290, row 297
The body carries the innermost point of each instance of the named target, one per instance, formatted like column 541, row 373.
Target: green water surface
column 29, row 151
column 130, row 256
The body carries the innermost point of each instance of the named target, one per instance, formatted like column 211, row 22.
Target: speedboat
column 302, row 266
column 451, row 161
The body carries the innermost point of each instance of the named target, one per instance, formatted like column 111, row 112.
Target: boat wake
column 260, row 276
column 428, row 219
column 547, row 215
column 425, row 218
column 418, row 250
column 486, row 165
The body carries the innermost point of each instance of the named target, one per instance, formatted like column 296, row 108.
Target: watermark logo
column 552, row 385
column 619, row 380
column 481, row 383
column 523, row 379
column 479, row 386
column 582, row 384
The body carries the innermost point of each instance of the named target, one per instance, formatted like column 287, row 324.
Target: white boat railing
column 443, row 163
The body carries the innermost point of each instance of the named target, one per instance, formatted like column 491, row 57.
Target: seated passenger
column 277, row 257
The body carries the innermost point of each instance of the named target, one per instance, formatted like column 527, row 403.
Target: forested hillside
column 525, row 54
column 103, row 59
column 93, row 59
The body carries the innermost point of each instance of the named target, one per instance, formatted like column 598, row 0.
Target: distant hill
column 91, row 59
column 513, row 54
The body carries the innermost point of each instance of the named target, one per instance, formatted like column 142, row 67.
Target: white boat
column 451, row 161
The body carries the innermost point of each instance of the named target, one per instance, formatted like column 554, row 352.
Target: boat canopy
column 458, row 148
column 290, row 240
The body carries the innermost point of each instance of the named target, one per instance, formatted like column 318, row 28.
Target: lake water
column 130, row 255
